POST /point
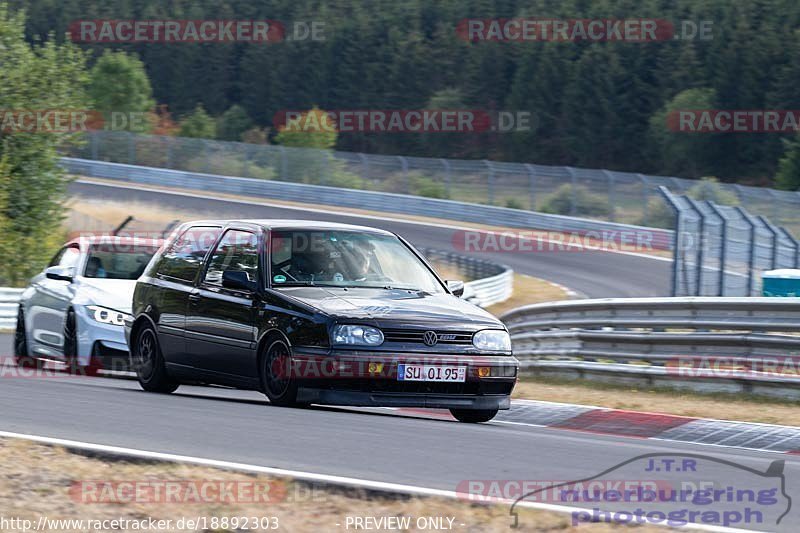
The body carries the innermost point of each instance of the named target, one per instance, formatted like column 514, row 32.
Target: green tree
column 311, row 129
column 32, row 185
column 233, row 123
column 198, row 124
column 120, row 90
column 310, row 139
column 788, row 176
column 680, row 152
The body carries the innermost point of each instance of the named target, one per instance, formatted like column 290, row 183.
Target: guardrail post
column 795, row 244
column 490, row 181
column 573, row 203
column 446, row 165
column 612, row 202
column 404, row 166
column 531, row 185
column 723, row 246
column 700, row 247
column 677, row 252
column 772, row 231
column 751, row 267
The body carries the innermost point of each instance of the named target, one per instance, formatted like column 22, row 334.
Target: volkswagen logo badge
column 430, row 338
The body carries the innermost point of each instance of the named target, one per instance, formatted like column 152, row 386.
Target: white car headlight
column 105, row 315
column 495, row 340
column 357, row 335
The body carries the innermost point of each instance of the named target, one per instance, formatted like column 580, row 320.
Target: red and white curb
column 644, row 425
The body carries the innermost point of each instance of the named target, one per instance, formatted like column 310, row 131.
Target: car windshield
column 118, row 261
column 347, row 259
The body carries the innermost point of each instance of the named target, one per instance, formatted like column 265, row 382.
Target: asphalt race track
column 596, row 274
column 376, row 445
column 372, row 444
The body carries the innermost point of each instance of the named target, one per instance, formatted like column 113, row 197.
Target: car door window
column 237, row 250
column 183, row 258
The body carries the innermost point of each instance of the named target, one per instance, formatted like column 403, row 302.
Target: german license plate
column 431, row 373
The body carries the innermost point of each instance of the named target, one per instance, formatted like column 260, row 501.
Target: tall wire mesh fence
column 623, row 197
column 723, row 250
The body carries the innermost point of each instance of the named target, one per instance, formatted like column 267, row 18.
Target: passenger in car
column 94, row 268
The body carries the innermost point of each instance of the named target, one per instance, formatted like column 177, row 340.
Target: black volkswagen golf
column 314, row 312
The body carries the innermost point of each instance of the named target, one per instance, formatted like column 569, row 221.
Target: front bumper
column 370, row 379
column 95, row 338
column 385, row 399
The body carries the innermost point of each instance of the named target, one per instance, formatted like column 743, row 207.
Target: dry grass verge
column 39, row 480
column 529, row 290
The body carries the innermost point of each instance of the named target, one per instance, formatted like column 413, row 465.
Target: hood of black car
column 395, row 307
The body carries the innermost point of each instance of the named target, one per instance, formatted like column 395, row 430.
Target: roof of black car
column 289, row 224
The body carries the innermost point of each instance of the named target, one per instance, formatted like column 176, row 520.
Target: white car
column 74, row 311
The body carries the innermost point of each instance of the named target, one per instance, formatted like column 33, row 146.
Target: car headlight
column 495, row 340
column 105, row 315
column 357, row 335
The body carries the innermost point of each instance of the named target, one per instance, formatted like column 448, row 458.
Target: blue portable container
column 784, row 282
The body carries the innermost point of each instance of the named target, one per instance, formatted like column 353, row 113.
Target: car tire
column 281, row 390
column 473, row 416
column 22, row 355
column 149, row 364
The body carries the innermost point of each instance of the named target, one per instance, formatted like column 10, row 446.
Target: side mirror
column 238, row 281
column 62, row 273
column 456, row 287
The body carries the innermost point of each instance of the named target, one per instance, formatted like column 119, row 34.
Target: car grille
column 415, row 336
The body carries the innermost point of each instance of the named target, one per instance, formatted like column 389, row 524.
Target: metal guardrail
column 627, row 197
column 488, row 283
column 609, row 232
column 9, row 299
column 702, row 343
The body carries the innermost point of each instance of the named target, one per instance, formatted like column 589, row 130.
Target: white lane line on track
column 192, row 194
column 310, row 476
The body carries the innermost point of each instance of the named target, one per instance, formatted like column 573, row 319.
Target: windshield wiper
column 294, row 284
column 304, row 284
column 393, row 288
